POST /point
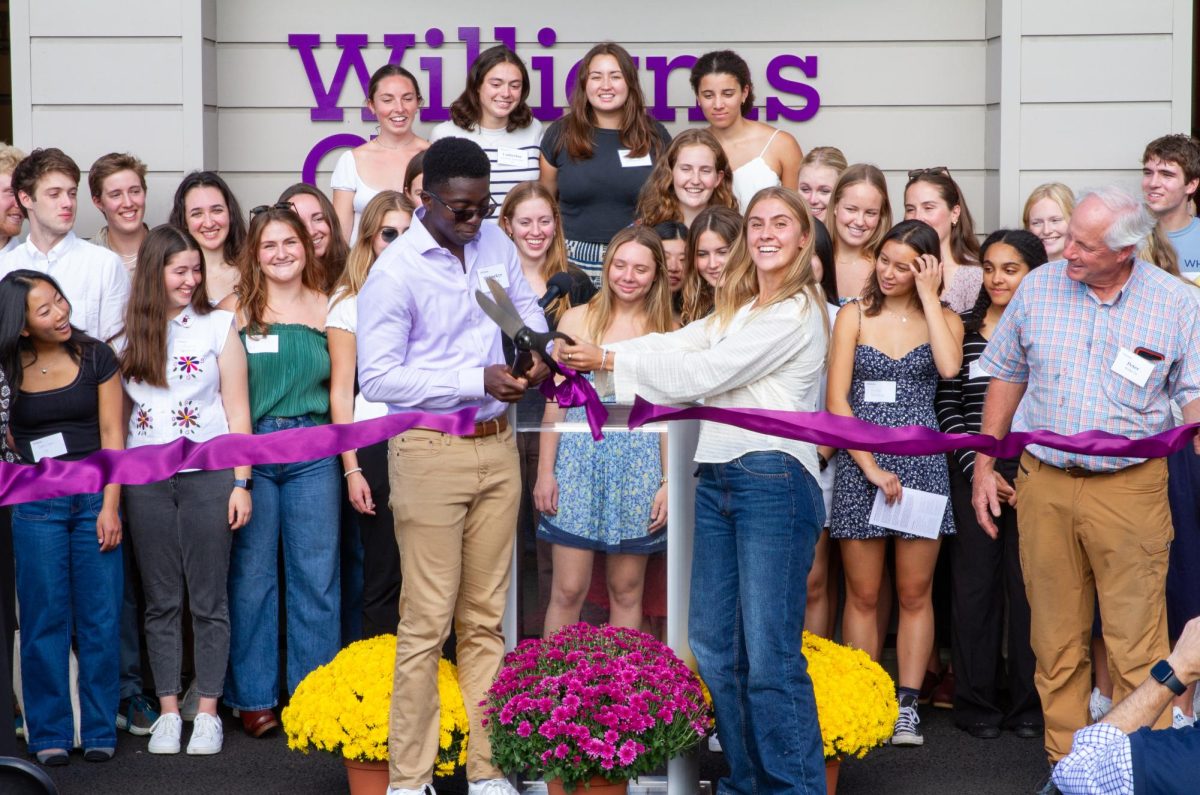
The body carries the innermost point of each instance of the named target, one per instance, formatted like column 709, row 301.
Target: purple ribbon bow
column 576, row 390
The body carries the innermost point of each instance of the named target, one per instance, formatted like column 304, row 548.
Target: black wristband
column 1164, row 674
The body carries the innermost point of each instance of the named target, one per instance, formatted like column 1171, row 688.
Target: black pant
column 986, row 579
column 381, row 555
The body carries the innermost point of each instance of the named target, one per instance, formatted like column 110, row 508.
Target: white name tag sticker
column 633, row 162
column 188, row 348
column 48, row 447
column 267, row 344
column 1131, row 367
column 511, row 157
column 496, row 272
column 976, row 371
column 879, row 391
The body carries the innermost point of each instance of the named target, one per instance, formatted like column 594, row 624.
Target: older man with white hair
column 1099, row 340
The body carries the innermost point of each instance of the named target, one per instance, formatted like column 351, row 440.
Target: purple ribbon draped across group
column 152, row 463
column 52, row 478
column 849, row 433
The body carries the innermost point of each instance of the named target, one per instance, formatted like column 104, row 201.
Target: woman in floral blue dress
column 608, row 496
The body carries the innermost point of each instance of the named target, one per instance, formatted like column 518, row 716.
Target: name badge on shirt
column 633, row 162
column 511, row 156
column 879, row 391
column 496, row 272
column 267, row 344
column 975, row 370
column 1131, row 367
column 51, row 446
column 188, row 348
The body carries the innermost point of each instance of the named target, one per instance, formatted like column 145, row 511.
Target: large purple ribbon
column 575, row 390
column 849, row 433
column 152, row 463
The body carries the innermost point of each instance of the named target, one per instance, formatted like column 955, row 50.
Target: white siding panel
column 619, row 20
column 1096, row 68
column 1053, row 17
column 91, row 18
column 85, row 133
column 106, row 71
column 1089, row 136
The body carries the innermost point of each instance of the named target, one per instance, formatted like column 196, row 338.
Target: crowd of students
column 722, row 265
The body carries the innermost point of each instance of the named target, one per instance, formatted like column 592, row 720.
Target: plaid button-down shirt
column 1061, row 340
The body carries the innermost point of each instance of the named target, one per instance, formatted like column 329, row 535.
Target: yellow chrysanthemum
column 343, row 707
column 856, row 699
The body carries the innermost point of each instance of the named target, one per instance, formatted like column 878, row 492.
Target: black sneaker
column 1048, row 787
column 136, row 715
column 908, row 724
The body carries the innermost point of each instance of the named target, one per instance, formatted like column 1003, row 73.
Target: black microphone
column 559, row 284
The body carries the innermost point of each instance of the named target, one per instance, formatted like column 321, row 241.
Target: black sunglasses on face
column 389, row 233
column 262, row 208
column 466, row 213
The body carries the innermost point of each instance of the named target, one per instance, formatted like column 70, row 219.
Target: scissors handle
column 528, row 340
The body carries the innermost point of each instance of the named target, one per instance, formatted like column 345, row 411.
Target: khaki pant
column 455, row 502
column 1107, row 535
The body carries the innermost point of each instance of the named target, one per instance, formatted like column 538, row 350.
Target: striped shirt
column 1062, row 341
column 515, row 156
column 959, row 401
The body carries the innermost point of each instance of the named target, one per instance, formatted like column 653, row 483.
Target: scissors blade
column 502, row 299
column 509, row 324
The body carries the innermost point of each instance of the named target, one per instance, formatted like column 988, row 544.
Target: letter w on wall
column 351, row 45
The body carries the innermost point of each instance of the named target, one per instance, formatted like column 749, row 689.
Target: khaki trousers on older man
column 455, row 501
column 1081, row 537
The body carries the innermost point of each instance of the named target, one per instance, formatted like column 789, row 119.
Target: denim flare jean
column 757, row 522
column 296, row 506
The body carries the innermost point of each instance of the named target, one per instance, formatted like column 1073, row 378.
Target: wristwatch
column 1164, row 674
column 247, row 483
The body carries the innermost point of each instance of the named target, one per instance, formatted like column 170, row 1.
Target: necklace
column 381, row 145
column 903, row 318
column 43, row 371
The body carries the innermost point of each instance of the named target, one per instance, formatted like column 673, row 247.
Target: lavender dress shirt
column 423, row 341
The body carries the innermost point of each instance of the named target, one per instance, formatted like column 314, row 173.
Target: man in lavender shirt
column 425, row 345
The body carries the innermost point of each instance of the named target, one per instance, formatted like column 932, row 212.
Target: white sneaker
column 165, row 734
column 1181, row 721
column 1098, row 705
column 207, row 735
column 425, row 790
column 714, row 744
column 189, row 705
column 492, row 786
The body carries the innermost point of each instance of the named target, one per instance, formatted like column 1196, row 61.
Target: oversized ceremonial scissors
column 499, row 307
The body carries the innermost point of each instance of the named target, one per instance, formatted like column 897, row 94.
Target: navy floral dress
column 916, row 378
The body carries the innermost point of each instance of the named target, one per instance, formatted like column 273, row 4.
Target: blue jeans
column 67, row 588
column 298, row 503
column 757, row 522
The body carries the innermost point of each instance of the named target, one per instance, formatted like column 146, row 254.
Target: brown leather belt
column 482, row 429
column 489, row 428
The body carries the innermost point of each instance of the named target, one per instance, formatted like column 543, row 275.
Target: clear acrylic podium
column 682, row 774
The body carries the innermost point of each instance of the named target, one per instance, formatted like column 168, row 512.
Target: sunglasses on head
column 936, row 171
column 389, row 233
column 465, row 214
column 262, row 208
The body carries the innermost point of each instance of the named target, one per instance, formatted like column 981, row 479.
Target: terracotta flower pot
column 366, row 778
column 597, row 786
column 831, row 775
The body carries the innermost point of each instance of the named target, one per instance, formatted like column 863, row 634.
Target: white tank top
column 754, row 175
